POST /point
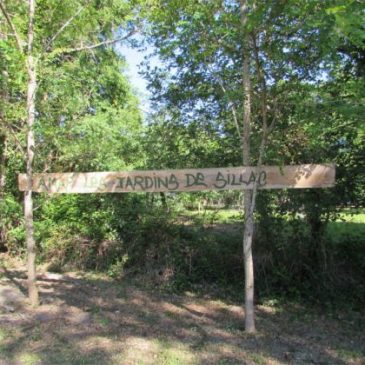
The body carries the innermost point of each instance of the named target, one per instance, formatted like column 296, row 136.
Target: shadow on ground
column 94, row 320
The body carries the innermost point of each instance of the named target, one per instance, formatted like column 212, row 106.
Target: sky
column 134, row 59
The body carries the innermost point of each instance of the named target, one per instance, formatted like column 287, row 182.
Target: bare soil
column 91, row 319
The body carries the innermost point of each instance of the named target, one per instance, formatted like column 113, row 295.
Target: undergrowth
column 177, row 250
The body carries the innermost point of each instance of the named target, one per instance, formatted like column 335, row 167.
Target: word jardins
column 169, row 182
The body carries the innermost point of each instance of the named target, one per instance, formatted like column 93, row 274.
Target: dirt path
column 89, row 319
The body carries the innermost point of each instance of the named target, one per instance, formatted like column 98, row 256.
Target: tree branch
column 234, row 111
column 274, row 118
column 221, row 84
column 64, row 26
column 263, row 102
column 17, row 143
column 31, row 27
column 96, row 45
column 12, row 26
column 233, row 108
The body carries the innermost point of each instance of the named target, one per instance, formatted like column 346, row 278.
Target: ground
column 92, row 319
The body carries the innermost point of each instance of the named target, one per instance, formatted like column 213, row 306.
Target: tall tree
column 245, row 66
column 51, row 38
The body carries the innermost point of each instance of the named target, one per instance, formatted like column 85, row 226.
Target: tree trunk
column 3, row 134
column 3, row 158
column 3, row 146
column 248, row 194
column 3, row 150
column 28, row 199
column 249, row 271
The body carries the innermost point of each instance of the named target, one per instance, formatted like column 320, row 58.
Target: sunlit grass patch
column 353, row 215
column 350, row 355
column 173, row 353
column 217, row 216
column 159, row 351
column 27, row 358
column 258, row 358
column 3, row 334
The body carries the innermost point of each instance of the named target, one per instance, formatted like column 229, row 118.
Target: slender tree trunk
column 28, row 199
column 3, row 150
column 3, row 134
column 249, row 270
column 248, row 194
column 248, row 211
column 3, row 158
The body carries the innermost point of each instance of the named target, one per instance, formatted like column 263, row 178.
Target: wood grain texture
column 233, row 178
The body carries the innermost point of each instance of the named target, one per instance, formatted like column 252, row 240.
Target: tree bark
column 3, row 158
column 3, row 150
column 248, row 194
column 28, row 199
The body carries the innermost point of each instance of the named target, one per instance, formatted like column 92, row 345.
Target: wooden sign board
column 234, row 178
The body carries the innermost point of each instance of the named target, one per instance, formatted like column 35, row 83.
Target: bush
column 12, row 232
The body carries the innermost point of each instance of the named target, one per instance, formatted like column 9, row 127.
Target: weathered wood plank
column 233, row 178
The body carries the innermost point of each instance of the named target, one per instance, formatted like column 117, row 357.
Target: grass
column 258, row 359
column 129, row 324
column 350, row 355
column 172, row 353
column 353, row 215
column 3, row 335
column 225, row 216
column 214, row 216
column 29, row 359
column 349, row 228
column 148, row 327
column 342, row 230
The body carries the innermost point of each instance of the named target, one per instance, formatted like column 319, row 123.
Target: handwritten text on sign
column 235, row 178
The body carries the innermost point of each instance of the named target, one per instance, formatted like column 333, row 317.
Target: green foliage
column 349, row 19
column 312, row 59
column 181, row 146
column 10, row 223
column 87, row 118
column 312, row 56
column 288, row 263
column 77, row 231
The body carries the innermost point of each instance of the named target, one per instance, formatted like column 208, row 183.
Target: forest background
column 309, row 64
